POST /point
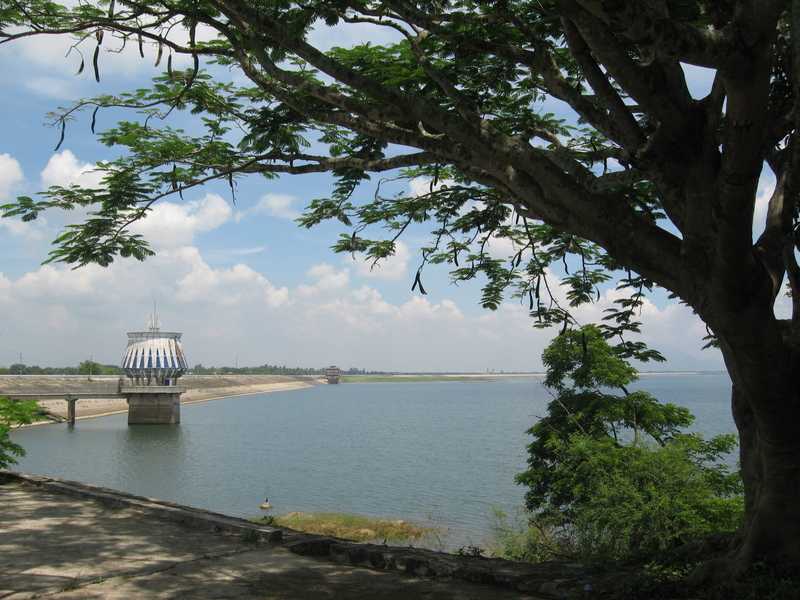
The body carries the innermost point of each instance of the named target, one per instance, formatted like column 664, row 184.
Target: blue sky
column 243, row 282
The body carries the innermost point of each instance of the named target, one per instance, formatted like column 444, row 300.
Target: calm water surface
column 440, row 452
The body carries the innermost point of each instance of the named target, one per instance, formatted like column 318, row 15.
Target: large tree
column 645, row 178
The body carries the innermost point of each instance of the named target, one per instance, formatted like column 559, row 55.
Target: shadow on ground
column 76, row 548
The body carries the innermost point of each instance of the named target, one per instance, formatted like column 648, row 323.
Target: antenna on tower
column 154, row 325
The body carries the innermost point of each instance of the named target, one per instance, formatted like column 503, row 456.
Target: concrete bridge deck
column 100, row 395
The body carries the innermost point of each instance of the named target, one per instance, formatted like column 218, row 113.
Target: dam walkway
column 57, row 542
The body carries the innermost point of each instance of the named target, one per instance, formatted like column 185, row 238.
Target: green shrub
column 13, row 413
column 611, row 473
column 644, row 499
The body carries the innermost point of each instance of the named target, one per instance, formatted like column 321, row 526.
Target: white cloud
column 326, row 278
column 64, row 169
column 420, row 186
column 80, row 283
column 10, row 175
column 392, row 268
column 228, row 287
column 281, row 206
column 62, row 316
column 323, row 320
column 50, row 55
column 170, row 225
column 16, row 227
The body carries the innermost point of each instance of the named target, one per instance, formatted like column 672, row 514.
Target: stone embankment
column 200, row 388
column 72, row 540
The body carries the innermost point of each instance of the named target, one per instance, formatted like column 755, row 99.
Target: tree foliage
column 614, row 474
column 90, row 367
column 444, row 77
column 13, row 414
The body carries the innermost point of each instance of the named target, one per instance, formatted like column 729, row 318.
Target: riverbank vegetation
column 358, row 528
column 13, row 413
column 617, row 482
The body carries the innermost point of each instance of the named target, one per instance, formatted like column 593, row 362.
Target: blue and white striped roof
column 154, row 353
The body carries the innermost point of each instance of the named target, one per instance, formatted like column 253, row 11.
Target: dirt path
column 62, row 546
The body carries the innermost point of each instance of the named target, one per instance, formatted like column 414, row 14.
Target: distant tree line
column 272, row 370
column 87, row 367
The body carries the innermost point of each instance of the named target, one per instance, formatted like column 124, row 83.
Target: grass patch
column 351, row 527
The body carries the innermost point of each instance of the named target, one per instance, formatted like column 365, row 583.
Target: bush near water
column 614, row 479
column 13, row 414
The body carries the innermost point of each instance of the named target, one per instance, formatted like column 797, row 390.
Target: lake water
column 441, row 452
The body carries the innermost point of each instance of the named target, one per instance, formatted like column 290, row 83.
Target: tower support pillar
column 153, row 405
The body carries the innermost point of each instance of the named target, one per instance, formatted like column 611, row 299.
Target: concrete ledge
column 551, row 580
column 548, row 580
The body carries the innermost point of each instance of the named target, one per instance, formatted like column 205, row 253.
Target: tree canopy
column 463, row 87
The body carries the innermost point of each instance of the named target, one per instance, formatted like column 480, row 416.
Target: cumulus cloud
column 170, row 225
column 11, row 177
column 420, row 186
column 62, row 316
column 324, row 319
column 64, row 169
column 325, row 278
column 393, row 268
column 281, row 206
column 51, row 55
column 228, row 287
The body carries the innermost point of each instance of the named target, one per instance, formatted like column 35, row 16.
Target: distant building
column 333, row 373
column 154, row 357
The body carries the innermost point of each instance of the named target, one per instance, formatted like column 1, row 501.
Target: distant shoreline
column 92, row 408
column 432, row 377
column 207, row 389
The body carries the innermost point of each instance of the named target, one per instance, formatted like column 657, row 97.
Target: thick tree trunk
column 766, row 408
